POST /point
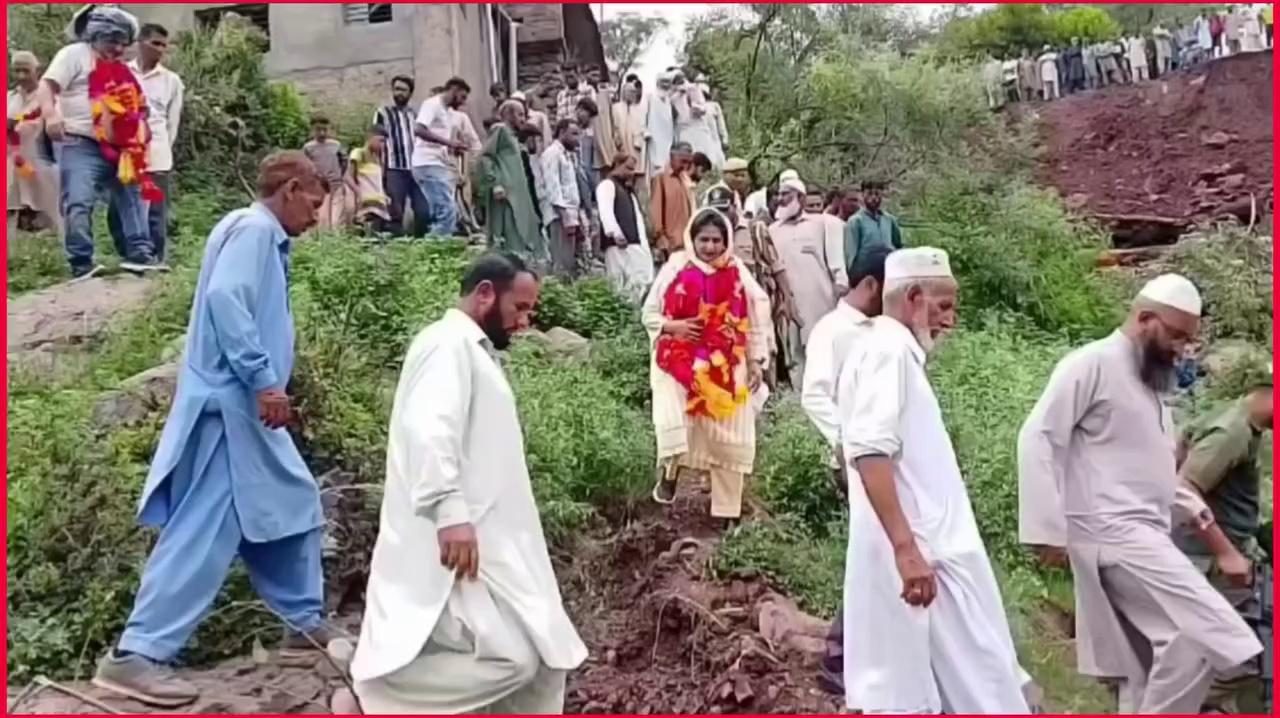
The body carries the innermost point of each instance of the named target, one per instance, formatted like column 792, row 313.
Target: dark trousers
column 402, row 188
column 157, row 219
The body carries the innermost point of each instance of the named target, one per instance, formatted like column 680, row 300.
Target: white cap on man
column 916, row 263
column 791, row 184
column 1174, row 291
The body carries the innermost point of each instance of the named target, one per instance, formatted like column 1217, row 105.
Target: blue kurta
column 865, row 231
column 239, row 342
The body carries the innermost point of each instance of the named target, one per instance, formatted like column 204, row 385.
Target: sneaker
column 664, row 491
column 298, row 645
column 82, row 273
column 142, row 265
column 143, row 680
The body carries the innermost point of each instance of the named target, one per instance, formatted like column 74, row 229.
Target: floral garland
column 119, row 124
column 20, row 163
column 707, row 369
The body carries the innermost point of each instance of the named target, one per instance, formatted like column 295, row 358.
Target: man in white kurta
column 1097, row 477
column 833, row 340
column 921, row 599
column 660, row 122
column 814, row 258
column 463, row 613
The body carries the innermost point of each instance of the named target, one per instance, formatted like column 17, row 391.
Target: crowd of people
column 1054, row 72
column 741, row 291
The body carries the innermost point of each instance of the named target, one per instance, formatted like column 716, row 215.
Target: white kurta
column 631, row 122
column 831, row 342
column 1096, row 474
column 756, row 205
column 956, row 655
column 455, row 454
column 38, row 187
column 691, row 123
column 719, row 131
column 630, row 270
column 662, row 132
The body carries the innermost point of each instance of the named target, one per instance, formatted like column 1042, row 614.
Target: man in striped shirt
column 397, row 120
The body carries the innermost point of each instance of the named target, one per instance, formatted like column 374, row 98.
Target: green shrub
column 1013, row 248
column 987, row 378
column 1233, row 270
column 623, row 359
column 588, row 307
column 792, row 474
column 786, row 551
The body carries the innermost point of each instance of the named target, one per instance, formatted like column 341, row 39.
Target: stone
column 1217, row 139
column 137, row 398
column 781, row 623
column 173, row 350
column 73, row 313
column 1232, row 181
column 566, row 343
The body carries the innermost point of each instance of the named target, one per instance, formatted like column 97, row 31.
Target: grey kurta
column 1097, row 475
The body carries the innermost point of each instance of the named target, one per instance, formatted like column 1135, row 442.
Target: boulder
column 566, row 343
column 137, row 398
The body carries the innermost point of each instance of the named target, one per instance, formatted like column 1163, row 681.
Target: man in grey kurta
column 1097, row 483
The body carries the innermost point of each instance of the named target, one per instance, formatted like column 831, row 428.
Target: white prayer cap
column 519, row 95
column 791, row 184
column 916, row 263
column 1175, row 291
column 788, row 175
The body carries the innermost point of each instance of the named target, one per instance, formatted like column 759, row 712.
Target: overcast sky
column 666, row 47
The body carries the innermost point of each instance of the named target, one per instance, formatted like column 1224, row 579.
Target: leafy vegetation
column 1008, row 30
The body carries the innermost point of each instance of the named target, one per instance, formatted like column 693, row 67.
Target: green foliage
column 786, row 551
column 1008, row 30
column 232, row 115
column 38, row 27
column 988, row 377
column 791, row 475
column 1014, row 248
column 1233, row 269
column 588, row 307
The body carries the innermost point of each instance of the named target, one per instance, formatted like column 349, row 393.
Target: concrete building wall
column 338, row 63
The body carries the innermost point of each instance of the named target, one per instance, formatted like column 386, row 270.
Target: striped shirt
column 398, row 122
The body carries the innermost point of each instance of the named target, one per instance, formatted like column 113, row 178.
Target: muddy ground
column 1193, row 147
column 665, row 637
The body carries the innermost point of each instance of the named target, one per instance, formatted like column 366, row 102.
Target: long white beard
column 789, row 211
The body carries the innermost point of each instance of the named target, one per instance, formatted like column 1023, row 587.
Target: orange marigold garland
column 707, row 369
column 119, row 123
column 20, row 163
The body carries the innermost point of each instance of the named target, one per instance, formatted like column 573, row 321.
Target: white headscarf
column 693, row 258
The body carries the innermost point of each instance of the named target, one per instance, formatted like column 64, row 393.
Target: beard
column 492, row 326
column 790, row 211
column 1157, row 368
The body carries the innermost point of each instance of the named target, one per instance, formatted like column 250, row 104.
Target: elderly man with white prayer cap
column 920, row 595
column 1097, row 484
column 814, row 257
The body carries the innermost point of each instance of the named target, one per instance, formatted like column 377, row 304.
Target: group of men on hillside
column 63, row 156
column 1054, row 72
column 853, row 317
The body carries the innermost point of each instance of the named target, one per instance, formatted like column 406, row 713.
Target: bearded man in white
column 921, row 599
column 463, row 614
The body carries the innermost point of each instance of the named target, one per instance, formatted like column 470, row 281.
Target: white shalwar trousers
column 955, row 656
column 450, row 677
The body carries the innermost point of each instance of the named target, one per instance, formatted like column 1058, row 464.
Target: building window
column 370, row 13
column 259, row 14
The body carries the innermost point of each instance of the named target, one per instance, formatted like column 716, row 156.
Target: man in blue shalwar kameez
column 211, row 503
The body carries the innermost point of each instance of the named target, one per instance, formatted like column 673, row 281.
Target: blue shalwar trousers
column 197, row 544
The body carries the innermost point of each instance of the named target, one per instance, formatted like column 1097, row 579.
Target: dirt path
column 665, row 637
column 1193, row 147
column 48, row 326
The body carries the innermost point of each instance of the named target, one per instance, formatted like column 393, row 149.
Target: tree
column 626, row 36
column 1090, row 24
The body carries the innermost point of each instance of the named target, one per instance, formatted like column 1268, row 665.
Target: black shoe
column 142, row 265
column 82, row 273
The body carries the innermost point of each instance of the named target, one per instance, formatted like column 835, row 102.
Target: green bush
column 791, row 473
column 1013, row 248
column 987, row 378
column 787, row 551
column 588, row 307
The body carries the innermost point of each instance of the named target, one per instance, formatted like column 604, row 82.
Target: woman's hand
column 689, row 330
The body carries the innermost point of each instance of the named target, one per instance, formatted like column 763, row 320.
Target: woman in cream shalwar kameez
column 725, row 449
column 34, row 187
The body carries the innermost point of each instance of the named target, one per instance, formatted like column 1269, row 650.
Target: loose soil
column 665, row 636
column 1193, row 147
